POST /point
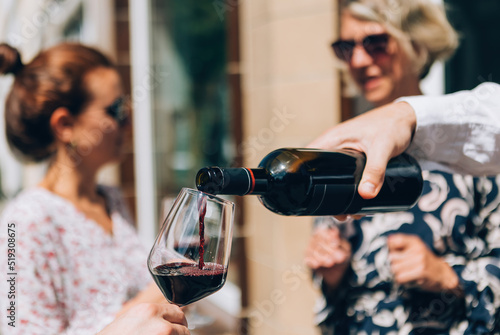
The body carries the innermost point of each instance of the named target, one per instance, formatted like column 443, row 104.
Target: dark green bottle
column 307, row 182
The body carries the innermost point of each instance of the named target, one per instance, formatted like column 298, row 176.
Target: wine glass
column 190, row 257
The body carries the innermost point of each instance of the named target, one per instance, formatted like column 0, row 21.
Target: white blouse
column 71, row 277
column 460, row 131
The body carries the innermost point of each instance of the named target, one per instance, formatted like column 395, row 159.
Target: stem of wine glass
column 195, row 319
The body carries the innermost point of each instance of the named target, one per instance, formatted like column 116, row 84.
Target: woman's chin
column 377, row 97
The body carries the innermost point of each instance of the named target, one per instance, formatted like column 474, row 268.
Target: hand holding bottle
column 381, row 134
column 328, row 255
column 413, row 263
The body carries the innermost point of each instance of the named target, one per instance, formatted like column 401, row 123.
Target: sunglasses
column 374, row 45
column 118, row 111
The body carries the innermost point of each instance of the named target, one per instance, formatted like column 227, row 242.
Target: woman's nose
column 360, row 58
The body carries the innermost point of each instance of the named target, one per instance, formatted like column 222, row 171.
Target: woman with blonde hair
column 402, row 40
column 435, row 268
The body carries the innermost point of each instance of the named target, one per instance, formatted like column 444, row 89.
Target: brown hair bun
column 10, row 60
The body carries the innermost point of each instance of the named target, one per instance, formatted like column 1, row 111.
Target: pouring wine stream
column 202, row 207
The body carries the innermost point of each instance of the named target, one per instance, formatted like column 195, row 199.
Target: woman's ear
column 61, row 123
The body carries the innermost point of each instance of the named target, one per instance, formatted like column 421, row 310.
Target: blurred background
column 223, row 82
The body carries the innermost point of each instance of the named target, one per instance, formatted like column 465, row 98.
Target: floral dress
column 72, row 277
column 458, row 218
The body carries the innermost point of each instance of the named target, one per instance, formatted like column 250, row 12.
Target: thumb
column 373, row 174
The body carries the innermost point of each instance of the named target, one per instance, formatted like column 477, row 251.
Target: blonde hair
column 420, row 26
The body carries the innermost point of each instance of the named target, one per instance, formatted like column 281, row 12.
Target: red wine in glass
column 190, row 256
column 184, row 283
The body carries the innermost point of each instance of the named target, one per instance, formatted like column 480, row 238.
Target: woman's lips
column 371, row 83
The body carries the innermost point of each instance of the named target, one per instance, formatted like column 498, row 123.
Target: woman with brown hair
column 78, row 258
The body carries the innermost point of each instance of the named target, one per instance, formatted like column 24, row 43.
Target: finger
column 403, row 263
column 329, row 237
column 179, row 330
column 324, row 257
column 374, row 172
column 397, row 242
column 324, row 230
column 316, row 258
column 327, row 253
column 173, row 313
column 311, row 263
column 342, row 253
column 341, row 256
column 314, row 262
column 324, row 262
column 406, row 263
column 409, row 275
column 345, row 218
column 346, row 247
column 396, row 257
column 325, row 239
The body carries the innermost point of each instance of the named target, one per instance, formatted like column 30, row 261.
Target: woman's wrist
column 450, row 281
column 331, row 280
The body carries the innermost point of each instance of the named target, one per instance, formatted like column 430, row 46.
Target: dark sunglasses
column 118, row 111
column 374, row 45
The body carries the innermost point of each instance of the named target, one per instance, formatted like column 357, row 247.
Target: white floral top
column 71, row 277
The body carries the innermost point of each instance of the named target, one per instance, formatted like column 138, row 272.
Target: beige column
column 290, row 96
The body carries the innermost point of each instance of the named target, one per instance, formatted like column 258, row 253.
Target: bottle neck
column 232, row 181
column 243, row 181
column 258, row 181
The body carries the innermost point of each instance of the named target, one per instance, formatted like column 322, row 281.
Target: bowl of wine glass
column 190, row 257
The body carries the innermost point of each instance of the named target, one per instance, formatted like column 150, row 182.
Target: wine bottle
column 313, row 182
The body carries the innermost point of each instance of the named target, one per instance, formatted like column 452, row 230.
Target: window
column 190, row 100
column 193, row 116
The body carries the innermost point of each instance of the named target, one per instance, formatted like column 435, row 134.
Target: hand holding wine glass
column 189, row 259
column 151, row 319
